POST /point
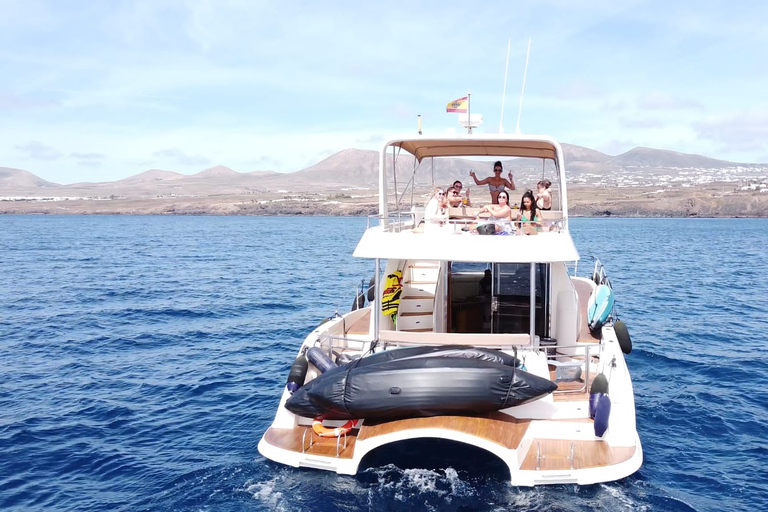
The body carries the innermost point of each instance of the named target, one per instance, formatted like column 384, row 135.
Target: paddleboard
column 599, row 306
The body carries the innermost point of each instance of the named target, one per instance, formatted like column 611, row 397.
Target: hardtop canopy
column 529, row 146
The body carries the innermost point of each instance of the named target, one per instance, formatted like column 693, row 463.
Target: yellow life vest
column 393, row 288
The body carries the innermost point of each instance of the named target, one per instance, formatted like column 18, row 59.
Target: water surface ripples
column 143, row 358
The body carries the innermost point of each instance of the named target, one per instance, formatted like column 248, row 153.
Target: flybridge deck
column 470, row 145
column 399, row 240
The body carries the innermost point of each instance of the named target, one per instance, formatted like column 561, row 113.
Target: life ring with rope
column 323, row 431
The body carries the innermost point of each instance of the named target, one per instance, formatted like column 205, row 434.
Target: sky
column 102, row 90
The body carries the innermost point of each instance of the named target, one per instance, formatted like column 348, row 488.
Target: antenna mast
column 504, row 92
column 525, row 73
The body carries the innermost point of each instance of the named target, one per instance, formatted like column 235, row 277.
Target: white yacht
column 492, row 341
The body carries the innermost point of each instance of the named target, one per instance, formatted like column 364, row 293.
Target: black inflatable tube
column 417, row 387
column 459, row 351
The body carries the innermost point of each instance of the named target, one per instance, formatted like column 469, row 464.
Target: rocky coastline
column 705, row 201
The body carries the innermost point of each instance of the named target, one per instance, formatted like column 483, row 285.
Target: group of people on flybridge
column 497, row 217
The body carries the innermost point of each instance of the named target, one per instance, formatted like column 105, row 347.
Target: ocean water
column 142, row 358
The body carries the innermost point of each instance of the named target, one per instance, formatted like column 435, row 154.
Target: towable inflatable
column 420, row 386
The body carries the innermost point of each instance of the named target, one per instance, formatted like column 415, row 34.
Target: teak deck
column 504, row 430
column 496, row 427
column 555, row 454
column 291, row 439
column 361, row 326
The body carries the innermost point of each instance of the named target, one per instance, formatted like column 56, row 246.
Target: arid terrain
column 640, row 183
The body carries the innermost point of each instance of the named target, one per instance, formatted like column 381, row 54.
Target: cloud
column 181, row 158
column 640, row 123
column 88, row 156
column 662, row 101
column 89, row 159
column 264, row 163
column 375, row 140
column 10, row 101
column 614, row 106
column 196, row 27
column 39, row 151
column 578, row 90
column 744, row 131
column 617, row 147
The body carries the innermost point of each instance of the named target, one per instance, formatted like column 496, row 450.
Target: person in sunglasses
column 436, row 212
column 495, row 183
column 498, row 215
column 454, row 195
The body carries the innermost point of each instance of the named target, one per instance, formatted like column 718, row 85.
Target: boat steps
column 414, row 305
column 415, row 321
column 292, row 439
column 410, row 289
column 424, row 264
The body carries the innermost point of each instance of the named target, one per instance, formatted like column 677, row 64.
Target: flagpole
column 504, row 92
column 469, row 111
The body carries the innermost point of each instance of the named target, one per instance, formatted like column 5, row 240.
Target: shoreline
column 698, row 202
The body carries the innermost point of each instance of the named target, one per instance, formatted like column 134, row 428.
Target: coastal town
column 654, row 184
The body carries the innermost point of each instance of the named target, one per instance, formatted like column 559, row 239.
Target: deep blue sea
column 142, row 358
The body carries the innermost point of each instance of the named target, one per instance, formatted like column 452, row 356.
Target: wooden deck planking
column 291, row 438
column 362, row 325
column 496, row 427
column 587, row 454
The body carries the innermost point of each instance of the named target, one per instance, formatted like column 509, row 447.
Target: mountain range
column 358, row 169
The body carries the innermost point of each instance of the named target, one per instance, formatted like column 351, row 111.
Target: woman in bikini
column 527, row 216
column 500, row 214
column 495, row 183
column 543, row 195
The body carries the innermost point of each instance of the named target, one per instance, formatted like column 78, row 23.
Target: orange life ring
column 322, row 431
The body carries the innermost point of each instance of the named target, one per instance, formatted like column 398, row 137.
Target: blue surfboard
column 599, row 306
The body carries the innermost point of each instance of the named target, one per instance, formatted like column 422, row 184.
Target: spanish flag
column 459, row 105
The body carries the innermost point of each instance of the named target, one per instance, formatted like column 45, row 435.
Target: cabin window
column 496, row 301
column 510, row 301
column 469, row 297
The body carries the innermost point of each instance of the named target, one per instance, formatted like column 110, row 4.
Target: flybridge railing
column 396, row 222
column 393, row 222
